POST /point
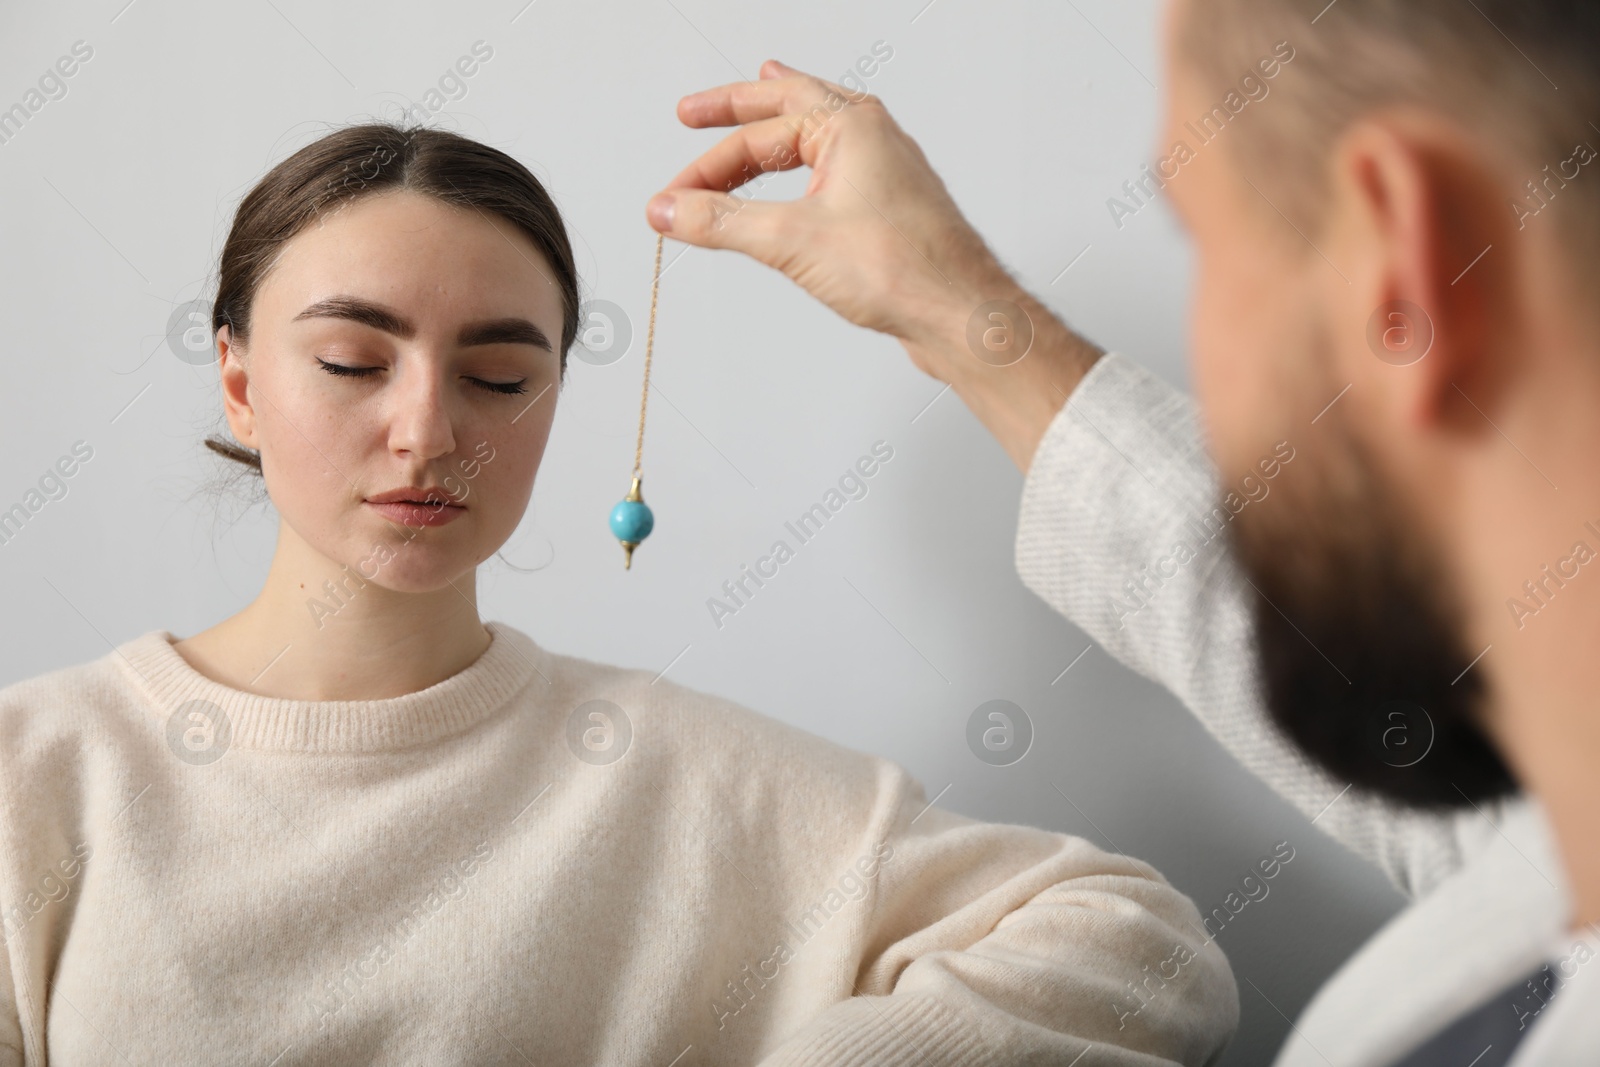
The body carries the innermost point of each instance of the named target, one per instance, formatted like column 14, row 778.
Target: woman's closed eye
column 341, row 371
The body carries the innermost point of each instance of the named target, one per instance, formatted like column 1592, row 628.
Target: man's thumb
column 716, row 220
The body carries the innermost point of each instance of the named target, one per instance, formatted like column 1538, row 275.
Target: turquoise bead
column 632, row 521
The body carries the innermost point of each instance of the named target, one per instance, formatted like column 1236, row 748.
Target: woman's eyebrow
column 503, row 331
column 510, row 330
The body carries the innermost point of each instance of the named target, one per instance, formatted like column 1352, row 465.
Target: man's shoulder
column 1490, row 921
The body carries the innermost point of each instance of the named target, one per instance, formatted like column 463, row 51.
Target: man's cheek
column 1218, row 369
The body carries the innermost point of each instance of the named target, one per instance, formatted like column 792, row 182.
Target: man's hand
column 877, row 238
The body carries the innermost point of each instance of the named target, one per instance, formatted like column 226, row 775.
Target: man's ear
column 235, row 375
column 1442, row 275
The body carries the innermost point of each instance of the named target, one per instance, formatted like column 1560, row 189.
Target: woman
column 353, row 823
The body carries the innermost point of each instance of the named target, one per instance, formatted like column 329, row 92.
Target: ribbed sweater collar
column 167, row 682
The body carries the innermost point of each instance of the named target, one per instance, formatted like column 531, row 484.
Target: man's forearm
column 1017, row 401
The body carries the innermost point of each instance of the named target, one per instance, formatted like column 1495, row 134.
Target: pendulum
column 632, row 519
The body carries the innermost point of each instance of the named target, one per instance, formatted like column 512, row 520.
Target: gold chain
column 649, row 346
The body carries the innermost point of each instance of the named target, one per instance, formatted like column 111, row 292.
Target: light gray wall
column 885, row 632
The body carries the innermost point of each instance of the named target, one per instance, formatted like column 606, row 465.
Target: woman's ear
column 235, row 374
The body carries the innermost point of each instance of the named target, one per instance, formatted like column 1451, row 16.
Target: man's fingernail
column 661, row 210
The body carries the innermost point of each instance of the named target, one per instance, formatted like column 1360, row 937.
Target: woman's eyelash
column 503, row 387
column 341, row 371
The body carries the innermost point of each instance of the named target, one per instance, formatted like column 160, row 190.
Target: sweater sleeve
column 13, row 914
column 1000, row 944
column 10, row 1019
column 1119, row 480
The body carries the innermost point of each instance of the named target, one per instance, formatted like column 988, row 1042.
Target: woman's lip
column 407, row 514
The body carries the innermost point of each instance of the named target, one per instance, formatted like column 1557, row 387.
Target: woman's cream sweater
column 543, row 860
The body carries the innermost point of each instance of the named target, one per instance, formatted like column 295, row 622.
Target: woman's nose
column 420, row 421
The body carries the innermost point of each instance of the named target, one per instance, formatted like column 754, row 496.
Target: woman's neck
column 319, row 631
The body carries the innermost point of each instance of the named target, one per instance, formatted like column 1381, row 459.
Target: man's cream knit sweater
column 543, row 860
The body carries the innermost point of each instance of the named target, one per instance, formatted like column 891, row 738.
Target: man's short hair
column 1524, row 74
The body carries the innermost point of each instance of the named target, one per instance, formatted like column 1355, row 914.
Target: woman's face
column 400, row 344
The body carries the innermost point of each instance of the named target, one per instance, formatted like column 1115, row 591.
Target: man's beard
column 1364, row 661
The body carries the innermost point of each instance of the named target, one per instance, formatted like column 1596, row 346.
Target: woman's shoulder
column 715, row 737
column 64, row 698
column 68, row 707
column 63, row 732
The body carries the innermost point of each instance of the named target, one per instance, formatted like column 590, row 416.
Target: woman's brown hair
column 362, row 160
